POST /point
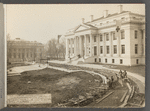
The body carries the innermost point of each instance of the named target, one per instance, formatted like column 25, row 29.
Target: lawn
column 61, row 85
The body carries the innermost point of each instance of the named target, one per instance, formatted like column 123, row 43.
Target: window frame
column 123, row 36
column 101, row 49
column 136, row 48
column 135, row 34
column 107, row 49
column 115, row 49
column 122, row 51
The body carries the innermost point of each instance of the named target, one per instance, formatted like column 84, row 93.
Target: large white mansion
column 117, row 38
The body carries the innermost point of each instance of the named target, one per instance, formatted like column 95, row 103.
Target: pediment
column 81, row 27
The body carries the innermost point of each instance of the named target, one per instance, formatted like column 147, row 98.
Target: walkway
column 17, row 70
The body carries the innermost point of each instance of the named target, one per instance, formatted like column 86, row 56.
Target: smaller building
column 19, row 50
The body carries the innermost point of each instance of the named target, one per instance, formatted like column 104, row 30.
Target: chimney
column 120, row 8
column 82, row 20
column 91, row 18
column 105, row 13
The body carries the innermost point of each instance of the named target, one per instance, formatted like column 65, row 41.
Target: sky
column 42, row 22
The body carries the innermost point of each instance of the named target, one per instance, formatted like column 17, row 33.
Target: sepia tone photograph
column 75, row 55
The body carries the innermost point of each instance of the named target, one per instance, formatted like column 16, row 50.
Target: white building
column 99, row 41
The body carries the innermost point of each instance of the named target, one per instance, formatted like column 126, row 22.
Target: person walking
column 125, row 74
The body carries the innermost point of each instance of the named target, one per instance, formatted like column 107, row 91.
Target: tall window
column 142, row 33
column 99, row 59
column 115, row 49
column 135, row 34
column 27, row 54
column 113, row 61
column 101, row 38
column 101, row 49
column 123, row 49
column 121, row 61
column 94, row 38
column 136, row 48
column 72, row 50
column 114, row 37
column 107, row 49
column 137, row 61
column 107, row 37
column 122, row 35
column 89, row 39
column 105, row 60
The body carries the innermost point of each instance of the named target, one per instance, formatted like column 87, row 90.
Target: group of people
column 122, row 74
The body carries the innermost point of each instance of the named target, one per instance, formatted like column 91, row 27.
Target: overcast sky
column 41, row 22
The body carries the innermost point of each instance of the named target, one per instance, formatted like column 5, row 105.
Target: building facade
column 117, row 38
column 20, row 50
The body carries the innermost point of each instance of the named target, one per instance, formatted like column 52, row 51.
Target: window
column 136, row 48
column 94, row 38
column 72, row 50
column 31, row 55
column 107, row 37
column 107, row 49
column 99, row 59
column 27, row 54
column 137, row 61
column 114, row 37
column 121, row 61
column 89, row 39
column 122, row 35
column 101, row 49
column 135, row 34
column 142, row 33
column 101, row 38
column 105, row 60
column 113, row 61
column 115, row 49
column 95, row 60
column 123, row 49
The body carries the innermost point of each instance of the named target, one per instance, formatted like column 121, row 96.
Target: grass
column 46, row 81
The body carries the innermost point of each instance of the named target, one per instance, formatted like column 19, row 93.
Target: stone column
column 91, row 41
column 80, row 42
column 71, row 46
column 104, row 45
column 111, row 46
column 85, row 40
column 98, row 46
column 118, row 44
column 75, row 46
